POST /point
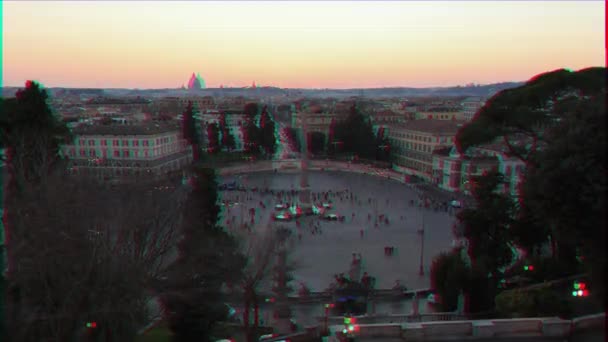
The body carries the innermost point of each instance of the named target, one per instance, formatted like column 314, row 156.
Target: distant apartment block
column 439, row 113
column 117, row 151
column 316, row 122
column 453, row 171
column 234, row 123
column 414, row 142
column 470, row 106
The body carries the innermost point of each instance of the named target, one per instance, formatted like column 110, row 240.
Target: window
column 115, row 142
column 91, row 142
column 116, row 153
column 92, row 152
column 146, row 142
column 135, row 142
column 125, row 143
column 104, row 142
column 126, row 153
column 81, row 142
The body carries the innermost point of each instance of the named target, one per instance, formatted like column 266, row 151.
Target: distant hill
column 481, row 90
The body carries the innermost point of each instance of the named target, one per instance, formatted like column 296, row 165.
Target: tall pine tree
column 190, row 131
column 267, row 132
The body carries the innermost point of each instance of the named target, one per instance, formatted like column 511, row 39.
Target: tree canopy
column 556, row 124
column 355, row 135
column 526, row 111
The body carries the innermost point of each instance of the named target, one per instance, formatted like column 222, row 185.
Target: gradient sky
column 120, row 44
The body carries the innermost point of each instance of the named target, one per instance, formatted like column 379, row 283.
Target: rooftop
column 432, row 126
column 148, row 128
column 440, row 109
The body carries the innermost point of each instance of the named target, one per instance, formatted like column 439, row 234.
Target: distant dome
column 201, row 81
column 194, row 82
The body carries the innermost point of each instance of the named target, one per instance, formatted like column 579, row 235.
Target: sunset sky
column 313, row 44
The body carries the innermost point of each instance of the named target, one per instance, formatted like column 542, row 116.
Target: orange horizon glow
column 296, row 44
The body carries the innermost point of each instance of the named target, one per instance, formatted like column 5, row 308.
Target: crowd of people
column 247, row 207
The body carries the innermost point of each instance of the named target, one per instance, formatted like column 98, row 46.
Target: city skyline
column 337, row 45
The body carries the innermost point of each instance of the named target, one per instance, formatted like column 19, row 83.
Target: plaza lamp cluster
column 350, row 325
column 580, row 289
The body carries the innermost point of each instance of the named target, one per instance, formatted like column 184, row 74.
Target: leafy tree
column 574, row 163
column 251, row 111
column 190, row 131
column 555, row 123
column 251, row 132
column 449, row 276
column 486, row 226
column 260, row 252
column 208, row 259
column 316, row 142
column 355, row 135
column 383, row 146
column 292, row 139
column 228, row 140
column 526, row 111
column 213, row 137
column 31, row 136
column 331, row 139
column 267, row 132
column 543, row 302
column 65, row 274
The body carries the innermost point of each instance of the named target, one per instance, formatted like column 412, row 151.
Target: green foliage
column 574, row 163
column 540, row 302
column 208, row 259
column 228, row 140
column 561, row 115
column 193, row 317
column 355, row 135
column 383, row 151
column 545, row 269
column 486, row 226
column 292, row 139
column 32, row 133
column 449, row 277
column 268, row 139
column 532, row 105
column 213, row 138
column 259, row 134
column 316, row 142
column 190, row 132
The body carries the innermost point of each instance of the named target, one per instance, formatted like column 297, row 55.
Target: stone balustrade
column 589, row 321
column 434, row 330
column 518, row 327
column 450, row 330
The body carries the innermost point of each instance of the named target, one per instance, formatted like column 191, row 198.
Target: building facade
column 470, row 106
column 440, row 114
column 125, row 151
column 453, row 171
column 414, row 142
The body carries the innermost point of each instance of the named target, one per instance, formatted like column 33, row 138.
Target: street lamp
column 327, row 307
column 421, row 232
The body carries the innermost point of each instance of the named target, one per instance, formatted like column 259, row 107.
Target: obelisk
column 305, row 202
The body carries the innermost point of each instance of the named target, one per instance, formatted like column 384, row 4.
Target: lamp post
column 421, row 232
